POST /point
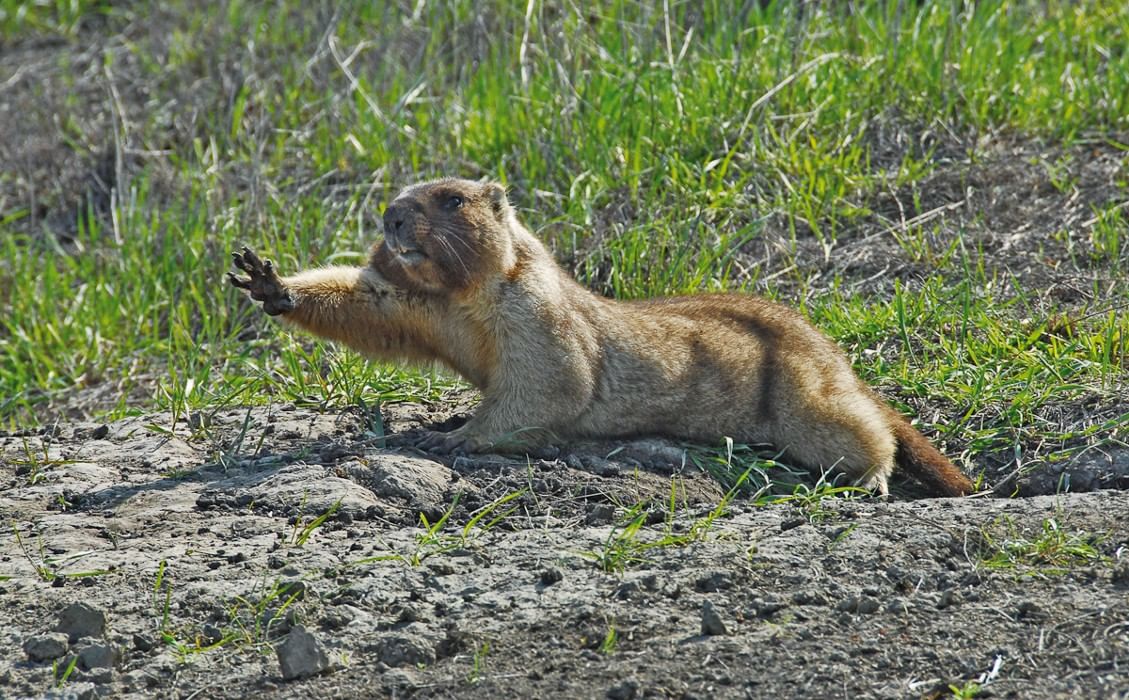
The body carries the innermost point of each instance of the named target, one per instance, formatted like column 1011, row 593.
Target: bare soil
column 182, row 533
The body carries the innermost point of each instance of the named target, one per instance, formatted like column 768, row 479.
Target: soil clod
column 81, row 620
column 46, row 647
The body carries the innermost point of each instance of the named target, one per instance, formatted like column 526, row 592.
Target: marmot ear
column 497, row 195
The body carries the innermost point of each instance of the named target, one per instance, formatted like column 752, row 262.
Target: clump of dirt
column 282, row 552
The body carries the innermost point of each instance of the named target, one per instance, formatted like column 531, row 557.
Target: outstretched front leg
column 352, row 305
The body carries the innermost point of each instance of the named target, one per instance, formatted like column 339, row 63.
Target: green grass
column 1054, row 550
column 657, row 152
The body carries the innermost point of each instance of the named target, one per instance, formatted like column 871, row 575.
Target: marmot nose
column 394, row 217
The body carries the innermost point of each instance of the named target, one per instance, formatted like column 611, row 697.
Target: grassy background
column 939, row 185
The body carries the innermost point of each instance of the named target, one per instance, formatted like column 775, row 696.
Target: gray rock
column 862, row 604
column 46, row 647
column 80, row 620
column 1120, row 575
column 400, row 678
column 897, row 606
column 949, row 597
column 625, row 690
column 139, row 679
column 712, row 623
column 601, row 514
column 97, row 656
column 143, row 643
column 551, row 575
column 211, row 634
column 406, row 650
column 301, row 655
column 713, row 582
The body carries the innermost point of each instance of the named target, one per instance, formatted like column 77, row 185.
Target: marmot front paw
column 455, row 442
column 262, row 283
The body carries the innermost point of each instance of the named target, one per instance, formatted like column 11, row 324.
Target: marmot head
column 446, row 235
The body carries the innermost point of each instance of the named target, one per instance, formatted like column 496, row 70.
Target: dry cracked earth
column 280, row 552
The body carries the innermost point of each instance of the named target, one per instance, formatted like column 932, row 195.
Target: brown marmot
column 459, row 279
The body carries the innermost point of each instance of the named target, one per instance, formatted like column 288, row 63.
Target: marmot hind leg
column 858, row 443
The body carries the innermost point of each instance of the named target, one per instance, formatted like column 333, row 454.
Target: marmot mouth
column 410, row 257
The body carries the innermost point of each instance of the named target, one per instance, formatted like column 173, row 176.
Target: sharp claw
column 251, row 258
column 238, row 282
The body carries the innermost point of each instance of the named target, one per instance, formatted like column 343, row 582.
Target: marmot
column 459, row 279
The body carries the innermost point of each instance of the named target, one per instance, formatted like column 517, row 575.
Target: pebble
column 864, row 604
column 711, row 621
column 601, row 514
column 625, row 690
column 1120, row 575
column 301, row 655
column 211, row 634
column 551, row 575
column 46, row 647
column 714, row 582
column 143, row 643
column 949, row 597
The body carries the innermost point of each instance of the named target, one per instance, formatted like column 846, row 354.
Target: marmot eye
column 454, row 201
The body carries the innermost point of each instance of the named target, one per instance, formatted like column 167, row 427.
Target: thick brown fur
column 459, row 280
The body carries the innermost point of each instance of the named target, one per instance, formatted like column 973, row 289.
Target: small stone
column 100, row 432
column 135, row 679
column 714, row 582
column 711, row 621
column 601, row 514
column 767, row 607
column 627, row 590
column 949, row 597
column 293, row 589
column 405, row 650
column 143, row 643
column 46, row 647
column 399, row 678
column 897, row 606
column 1120, row 575
column 80, row 620
column 301, row 655
column 210, row 634
column 97, row 656
column 551, row 575
column 868, row 605
column 809, row 597
column 626, row 690
column 1030, row 611
column 864, row 604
